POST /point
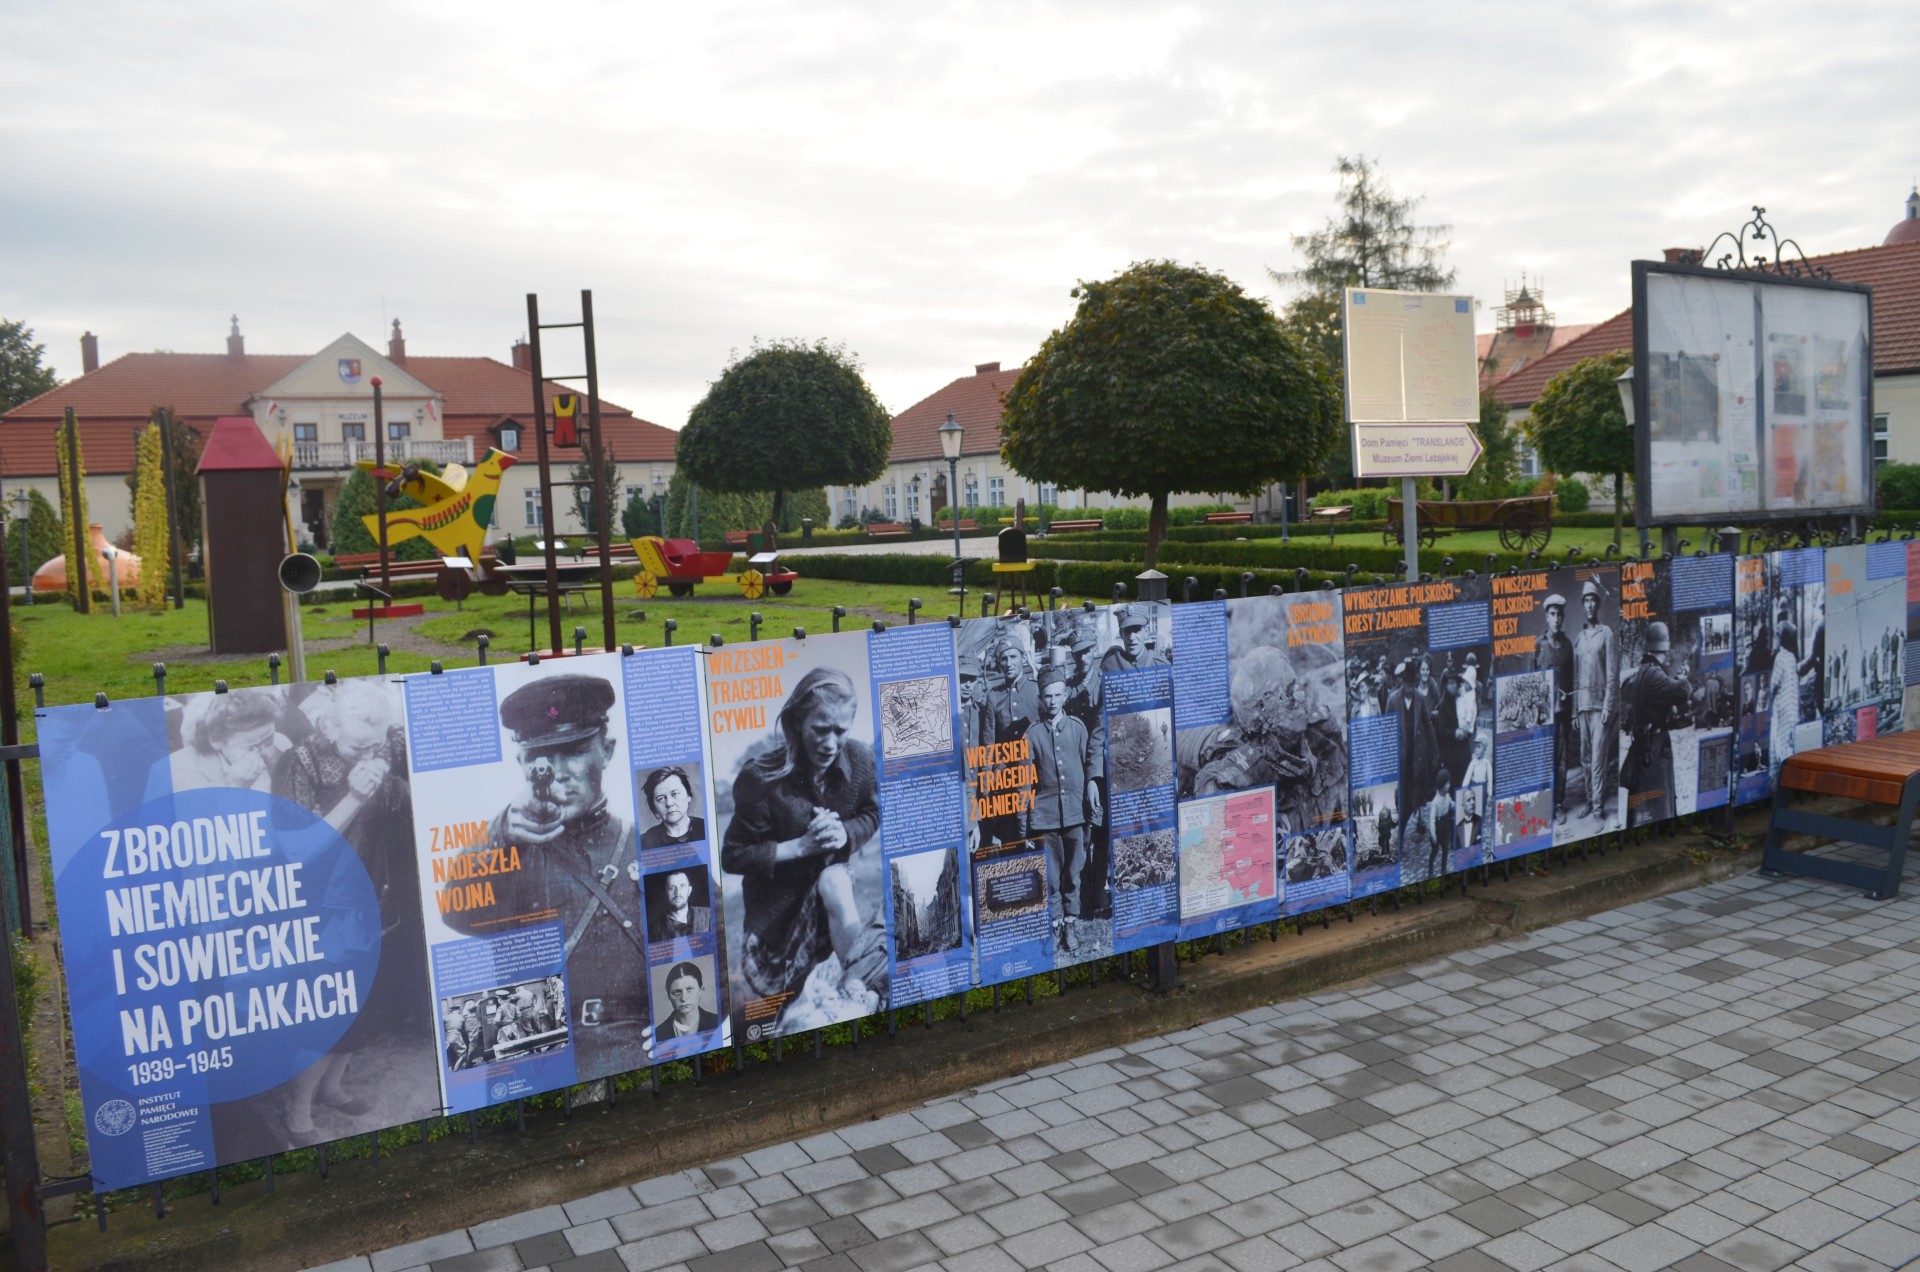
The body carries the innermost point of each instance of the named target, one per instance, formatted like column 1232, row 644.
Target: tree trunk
column 1618, row 504
column 1156, row 528
column 775, row 516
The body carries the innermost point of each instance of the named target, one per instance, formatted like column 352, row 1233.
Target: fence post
column 1162, row 971
column 753, row 625
column 913, row 610
column 481, row 642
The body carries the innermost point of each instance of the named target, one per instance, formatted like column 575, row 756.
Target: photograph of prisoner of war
column 1444, row 712
column 670, row 805
column 577, row 861
column 337, row 752
column 679, row 903
column 686, row 996
column 798, row 814
column 1289, row 725
column 1582, row 646
column 1041, row 683
column 505, row 1022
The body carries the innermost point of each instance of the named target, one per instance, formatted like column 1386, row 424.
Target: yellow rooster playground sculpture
column 459, row 505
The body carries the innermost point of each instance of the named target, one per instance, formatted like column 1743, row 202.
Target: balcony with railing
column 325, row 455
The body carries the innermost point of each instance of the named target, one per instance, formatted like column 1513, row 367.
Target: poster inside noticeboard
column 1755, row 395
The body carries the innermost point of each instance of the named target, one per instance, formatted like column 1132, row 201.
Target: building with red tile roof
column 1893, row 271
column 914, row 485
column 320, row 406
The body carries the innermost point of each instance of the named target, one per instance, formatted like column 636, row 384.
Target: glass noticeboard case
column 1753, row 396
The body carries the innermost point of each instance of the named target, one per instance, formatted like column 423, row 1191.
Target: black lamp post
column 23, row 506
column 950, row 435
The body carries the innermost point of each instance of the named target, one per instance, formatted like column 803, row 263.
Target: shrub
column 1570, row 495
column 1898, row 486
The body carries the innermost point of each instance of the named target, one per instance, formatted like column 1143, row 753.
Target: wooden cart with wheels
column 1524, row 523
column 679, row 564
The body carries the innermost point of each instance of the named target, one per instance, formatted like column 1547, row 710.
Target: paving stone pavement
column 1723, row 1079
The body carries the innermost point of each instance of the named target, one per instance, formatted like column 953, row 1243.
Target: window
column 399, row 430
column 913, row 501
column 353, row 432
column 509, row 437
column 1879, row 440
column 972, row 488
column 308, row 432
column 893, row 503
column 533, row 508
column 847, row 505
column 997, row 491
column 1049, row 494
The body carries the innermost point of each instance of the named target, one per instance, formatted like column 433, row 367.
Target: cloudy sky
column 921, row 182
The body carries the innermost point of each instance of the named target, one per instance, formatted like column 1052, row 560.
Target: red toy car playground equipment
column 679, row 564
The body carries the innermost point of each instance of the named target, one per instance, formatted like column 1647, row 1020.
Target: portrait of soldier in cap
column 1066, row 801
column 1596, row 682
column 1653, row 701
column 1131, row 650
column 577, row 863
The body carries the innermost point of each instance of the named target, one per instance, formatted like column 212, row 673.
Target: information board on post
column 1412, row 381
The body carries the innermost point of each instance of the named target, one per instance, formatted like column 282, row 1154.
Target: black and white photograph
column 679, row 904
column 1864, row 655
column 926, row 903
column 1526, row 701
column 336, row 753
column 1319, row 854
column 1587, row 796
column 916, row 717
column 1140, row 749
column 686, row 999
column 1658, row 755
column 797, row 818
column 1376, row 825
column 1145, row 861
column 504, row 1022
column 557, row 803
column 672, row 805
column 1067, row 741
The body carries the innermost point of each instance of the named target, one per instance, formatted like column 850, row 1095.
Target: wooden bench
column 369, row 564
column 1068, row 527
column 1228, row 518
column 887, row 530
column 740, row 538
column 1883, row 772
column 967, row 525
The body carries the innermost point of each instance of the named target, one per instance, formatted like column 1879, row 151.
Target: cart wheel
column 753, row 584
column 781, row 589
column 1428, row 533
column 645, row 584
column 680, row 589
column 1391, row 535
column 1520, row 531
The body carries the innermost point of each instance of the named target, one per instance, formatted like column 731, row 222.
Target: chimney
column 89, row 353
column 236, row 343
column 397, row 346
column 985, row 368
column 1683, row 255
column 523, row 356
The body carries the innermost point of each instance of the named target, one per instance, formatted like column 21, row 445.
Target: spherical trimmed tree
column 1579, row 426
column 789, row 416
column 1170, row 378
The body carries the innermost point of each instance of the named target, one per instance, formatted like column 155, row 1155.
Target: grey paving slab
column 1721, row 1079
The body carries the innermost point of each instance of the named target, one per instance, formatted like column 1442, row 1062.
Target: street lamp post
column 950, row 435
column 23, row 505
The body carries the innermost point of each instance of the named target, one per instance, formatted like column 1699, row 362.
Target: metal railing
column 325, row 455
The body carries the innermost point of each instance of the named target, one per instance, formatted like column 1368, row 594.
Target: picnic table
column 1523, row 522
column 1882, row 772
column 529, row 578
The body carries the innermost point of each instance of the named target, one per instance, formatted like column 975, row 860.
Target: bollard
column 671, row 626
column 481, row 642
column 380, row 653
column 913, row 610
column 840, row 612
column 753, row 625
column 273, row 668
